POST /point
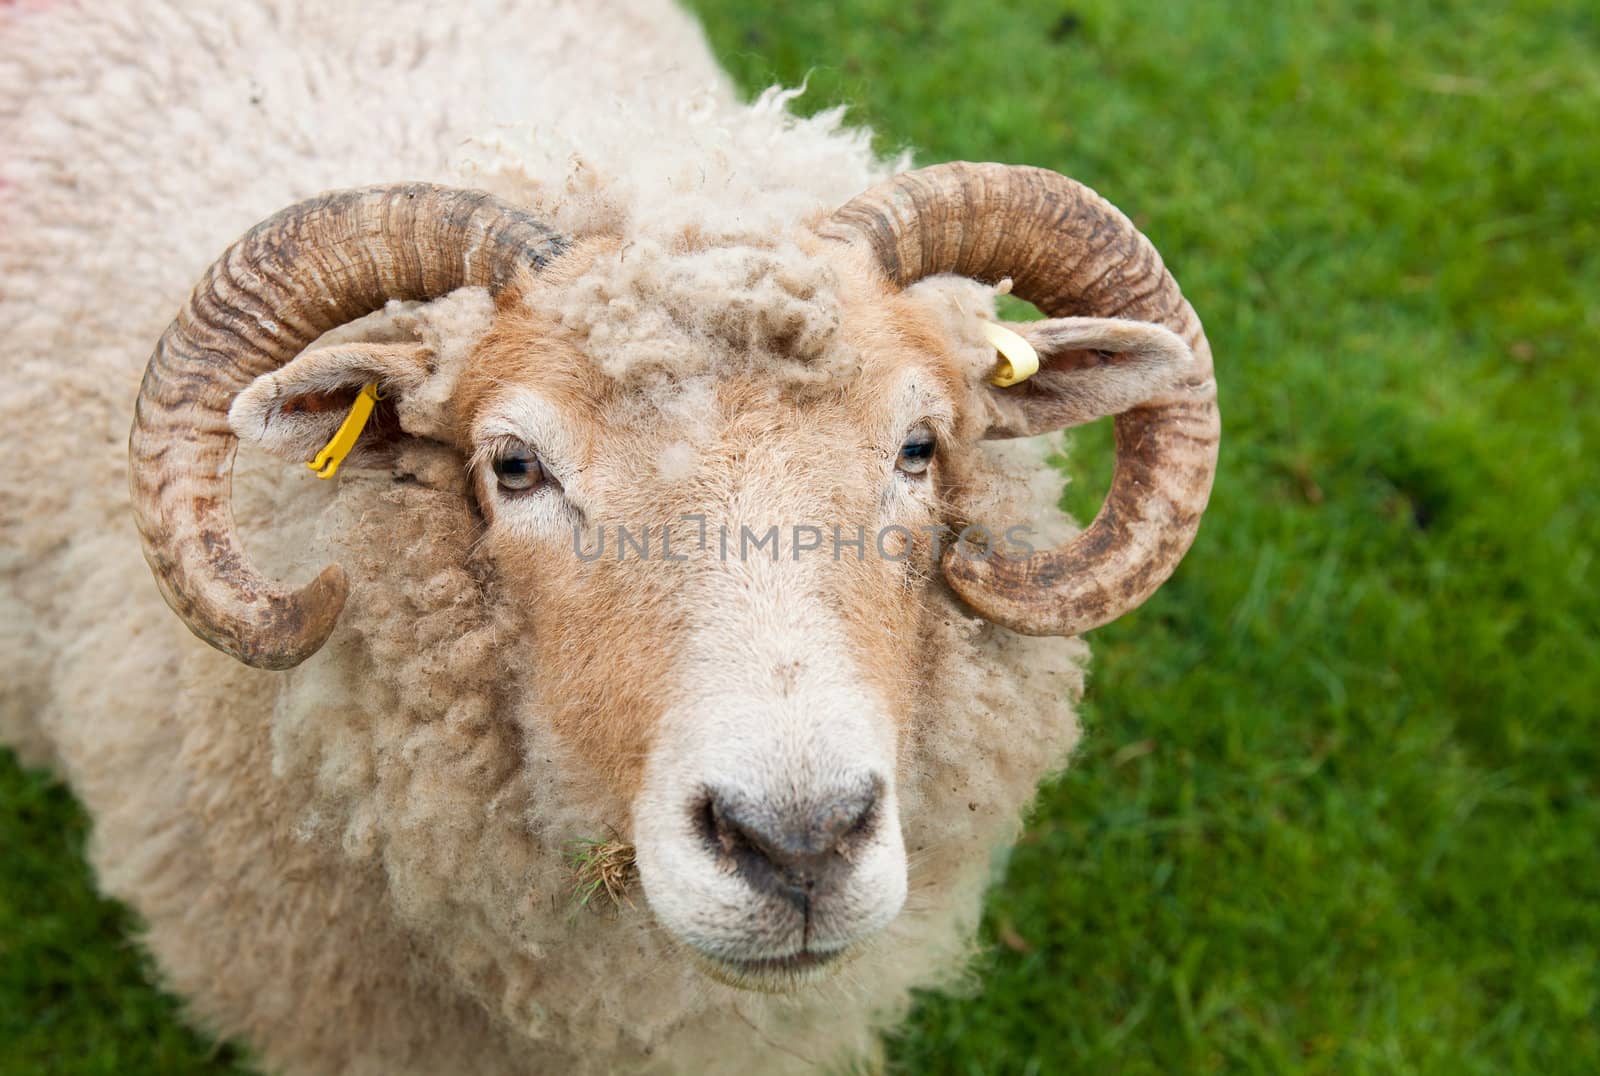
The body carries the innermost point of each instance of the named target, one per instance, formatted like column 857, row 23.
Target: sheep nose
column 799, row 854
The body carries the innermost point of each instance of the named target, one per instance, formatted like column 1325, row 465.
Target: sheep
column 348, row 823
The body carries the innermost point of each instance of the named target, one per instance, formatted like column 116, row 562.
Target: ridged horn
column 311, row 267
column 1070, row 253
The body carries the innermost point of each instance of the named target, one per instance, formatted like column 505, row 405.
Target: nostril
column 850, row 819
column 707, row 821
column 793, row 852
column 726, row 826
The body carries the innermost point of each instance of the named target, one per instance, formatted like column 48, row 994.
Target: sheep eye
column 917, row 451
column 518, row 469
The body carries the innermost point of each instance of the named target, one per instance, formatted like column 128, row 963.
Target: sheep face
column 711, row 486
column 723, row 564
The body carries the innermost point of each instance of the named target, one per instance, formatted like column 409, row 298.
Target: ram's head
column 787, row 452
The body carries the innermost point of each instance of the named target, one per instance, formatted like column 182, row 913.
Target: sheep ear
column 294, row 411
column 1088, row 368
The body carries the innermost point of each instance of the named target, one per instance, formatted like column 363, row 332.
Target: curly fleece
column 358, row 866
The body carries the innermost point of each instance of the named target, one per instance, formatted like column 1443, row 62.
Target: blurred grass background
column 1337, row 810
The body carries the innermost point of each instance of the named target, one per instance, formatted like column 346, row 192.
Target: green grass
column 1337, row 811
column 73, row 989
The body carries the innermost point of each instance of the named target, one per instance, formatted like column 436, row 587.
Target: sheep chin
column 777, row 975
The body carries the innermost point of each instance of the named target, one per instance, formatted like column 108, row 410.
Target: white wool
column 660, row 316
column 280, row 833
column 676, row 462
column 654, row 164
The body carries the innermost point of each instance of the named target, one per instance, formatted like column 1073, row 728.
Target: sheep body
column 301, row 847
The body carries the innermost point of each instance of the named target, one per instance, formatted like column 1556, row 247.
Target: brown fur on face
column 762, row 445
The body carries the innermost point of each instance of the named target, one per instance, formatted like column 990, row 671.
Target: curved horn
column 1070, row 253
column 316, row 265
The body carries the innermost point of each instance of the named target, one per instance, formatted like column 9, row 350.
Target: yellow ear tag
column 327, row 462
column 1018, row 360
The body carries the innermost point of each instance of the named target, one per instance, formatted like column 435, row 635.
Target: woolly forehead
column 683, row 343
column 646, row 312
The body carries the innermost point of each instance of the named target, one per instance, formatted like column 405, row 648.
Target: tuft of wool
column 707, row 172
column 655, row 316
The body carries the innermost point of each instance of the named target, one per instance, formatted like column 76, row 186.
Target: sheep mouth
column 775, row 974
